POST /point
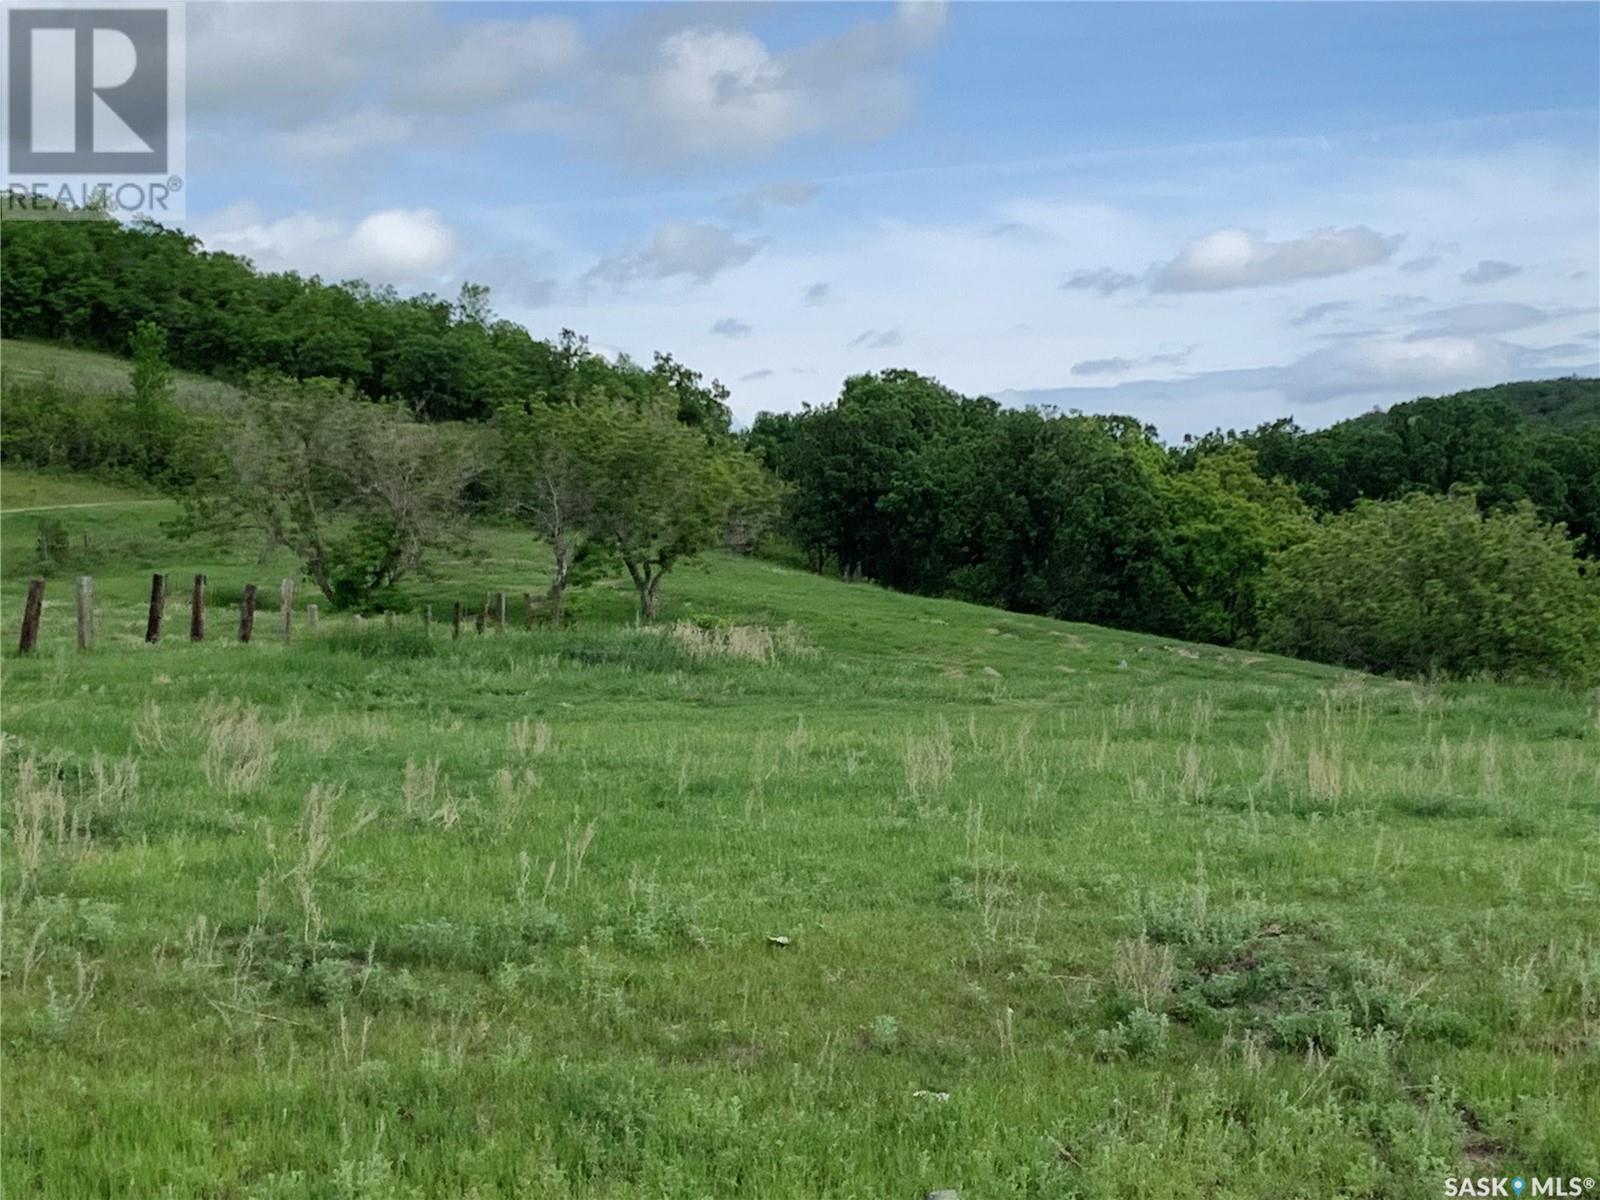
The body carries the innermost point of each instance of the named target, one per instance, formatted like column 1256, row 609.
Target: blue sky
column 1199, row 214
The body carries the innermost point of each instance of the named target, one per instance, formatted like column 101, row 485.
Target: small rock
column 779, row 941
column 991, row 671
column 943, row 1194
column 924, row 1094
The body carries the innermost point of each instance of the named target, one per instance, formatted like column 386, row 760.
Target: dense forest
column 1457, row 533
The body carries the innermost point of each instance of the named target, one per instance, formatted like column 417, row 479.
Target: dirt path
column 6, row 512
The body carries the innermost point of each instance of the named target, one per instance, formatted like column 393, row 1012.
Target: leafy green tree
column 548, row 479
column 1430, row 583
column 1227, row 523
column 360, row 492
column 661, row 492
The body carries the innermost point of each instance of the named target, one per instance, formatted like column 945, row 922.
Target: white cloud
column 731, row 327
column 1237, row 258
column 679, row 248
column 398, row 246
column 1310, row 316
column 708, row 91
column 818, row 293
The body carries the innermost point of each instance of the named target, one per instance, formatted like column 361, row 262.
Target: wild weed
column 240, row 750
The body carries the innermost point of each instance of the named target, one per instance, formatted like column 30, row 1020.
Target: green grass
column 1071, row 912
column 24, row 361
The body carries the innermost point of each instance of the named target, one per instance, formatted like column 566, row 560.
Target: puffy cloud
column 818, row 293
column 1490, row 270
column 1236, row 258
column 679, row 248
column 396, row 245
column 1102, row 281
column 875, row 339
column 731, row 327
column 708, row 91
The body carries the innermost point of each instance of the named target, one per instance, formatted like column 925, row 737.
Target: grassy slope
column 1370, row 906
column 93, row 371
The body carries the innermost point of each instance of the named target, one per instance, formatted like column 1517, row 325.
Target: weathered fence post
column 247, row 613
column 30, row 616
column 359, row 622
column 455, row 622
column 527, row 610
column 500, row 611
column 285, row 608
column 158, row 608
column 482, row 618
column 311, row 618
column 85, row 612
column 197, row 610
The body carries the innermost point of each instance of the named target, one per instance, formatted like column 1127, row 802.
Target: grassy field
column 1069, row 912
column 93, row 371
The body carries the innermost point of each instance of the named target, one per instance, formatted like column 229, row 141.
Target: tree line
column 1446, row 534
column 1457, row 533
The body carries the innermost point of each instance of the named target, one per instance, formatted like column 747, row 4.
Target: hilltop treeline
column 91, row 281
column 1458, row 533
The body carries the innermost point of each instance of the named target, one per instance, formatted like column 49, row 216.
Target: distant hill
column 1566, row 403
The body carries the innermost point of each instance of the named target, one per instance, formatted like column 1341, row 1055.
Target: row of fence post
column 493, row 610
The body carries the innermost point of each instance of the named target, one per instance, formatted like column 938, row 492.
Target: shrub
column 1429, row 584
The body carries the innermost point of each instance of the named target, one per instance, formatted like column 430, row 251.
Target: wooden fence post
column 359, row 622
column 285, row 608
column 247, row 613
column 311, row 618
column 85, row 612
column 197, row 610
column 527, row 610
column 30, row 616
column 500, row 611
column 482, row 618
column 427, row 620
column 158, row 608
column 455, row 622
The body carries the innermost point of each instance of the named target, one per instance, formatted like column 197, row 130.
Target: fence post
column 500, row 611
column 455, row 622
column 285, row 608
column 427, row 620
column 359, row 622
column 527, row 610
column 158, row 607
column 482, row 618
column 247, row 613
column 311, row 618
column 85, row 611
column 30, row 616
column 197, row 610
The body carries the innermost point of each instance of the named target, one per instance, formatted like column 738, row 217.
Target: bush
column 1429, row 584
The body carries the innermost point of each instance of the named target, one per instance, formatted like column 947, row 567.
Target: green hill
column 817, row 890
